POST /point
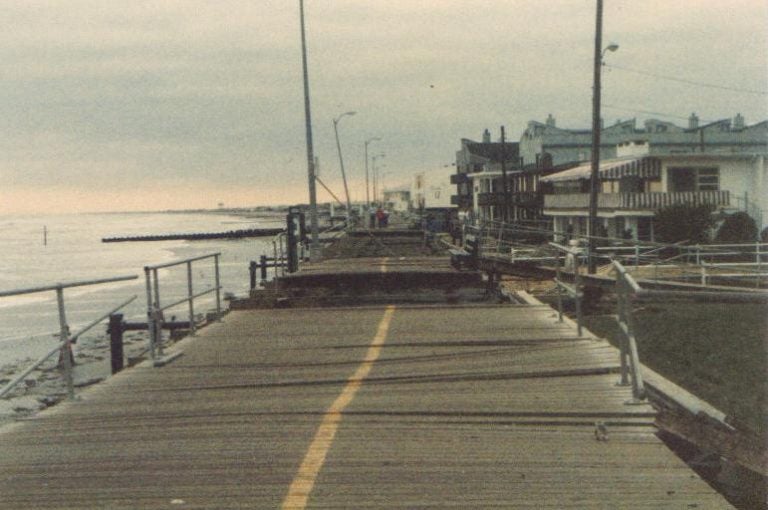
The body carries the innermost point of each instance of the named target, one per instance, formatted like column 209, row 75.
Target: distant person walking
column 379, row 217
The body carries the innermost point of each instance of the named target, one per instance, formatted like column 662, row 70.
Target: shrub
column 737, row 228
column 684, row 222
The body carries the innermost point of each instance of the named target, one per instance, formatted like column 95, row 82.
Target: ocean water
column 74, row 252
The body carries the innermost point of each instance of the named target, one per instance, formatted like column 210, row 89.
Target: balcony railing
column 637, row 201
column 522, row 198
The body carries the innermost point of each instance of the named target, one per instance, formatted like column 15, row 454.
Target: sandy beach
column 45, row 386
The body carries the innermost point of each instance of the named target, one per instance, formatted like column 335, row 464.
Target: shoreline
column 45, row 387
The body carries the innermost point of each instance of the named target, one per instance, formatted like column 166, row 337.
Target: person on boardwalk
column 379, row 217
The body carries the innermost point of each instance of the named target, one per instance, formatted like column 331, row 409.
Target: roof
column 645, row 166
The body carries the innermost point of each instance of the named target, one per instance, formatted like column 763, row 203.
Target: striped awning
column 612, row 169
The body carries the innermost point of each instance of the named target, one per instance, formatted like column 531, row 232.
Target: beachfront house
column 637, row 183
column 478, row 177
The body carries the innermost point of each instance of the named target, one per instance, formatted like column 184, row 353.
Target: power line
column 689, row 82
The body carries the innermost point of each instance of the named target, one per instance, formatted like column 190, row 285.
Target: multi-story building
column 479, row 175
column 638, row 183
column 545, row 149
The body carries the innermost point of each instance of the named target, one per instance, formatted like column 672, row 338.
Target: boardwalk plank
column 466, row 407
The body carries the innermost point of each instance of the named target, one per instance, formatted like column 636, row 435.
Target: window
column 708, row 179
column 694, row 179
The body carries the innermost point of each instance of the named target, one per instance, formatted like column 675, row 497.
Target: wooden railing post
column 621, row 317
column 116, row 341
column 66, row 344
column 252, row 273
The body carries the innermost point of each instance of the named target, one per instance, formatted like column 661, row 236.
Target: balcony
column 520, row 198
column 637, row 201
column 461, row 200
column 459, row 178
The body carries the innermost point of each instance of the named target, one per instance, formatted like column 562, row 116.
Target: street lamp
column 341, row 162
column 367, row 196
column 594, row 180
column 375, row 175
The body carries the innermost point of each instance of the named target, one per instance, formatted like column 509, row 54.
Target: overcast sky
column 146, row 105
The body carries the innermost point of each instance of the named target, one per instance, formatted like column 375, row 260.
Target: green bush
column 685, row 222
column 737, row 228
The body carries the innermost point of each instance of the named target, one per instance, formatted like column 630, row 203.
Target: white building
column 635, row 185
column 432, row 189
column 397, row 199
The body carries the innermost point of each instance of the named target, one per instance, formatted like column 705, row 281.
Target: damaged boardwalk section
column 383, row 405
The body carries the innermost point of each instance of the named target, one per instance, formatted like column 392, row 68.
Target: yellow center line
column 298, row 492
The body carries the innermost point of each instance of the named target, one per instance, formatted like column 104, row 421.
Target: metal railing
column 572, row 263
column 66, row 338
column 644, row 201
column 155, row 309
column 626, row 289
column 279, row 248
column 514, row 242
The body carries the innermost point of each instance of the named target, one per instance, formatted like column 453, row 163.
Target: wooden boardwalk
column 369, row 407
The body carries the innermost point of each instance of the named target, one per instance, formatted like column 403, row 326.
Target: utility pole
column 504, row 181
column 594, row 180
column 314, row 250
column 367, row 179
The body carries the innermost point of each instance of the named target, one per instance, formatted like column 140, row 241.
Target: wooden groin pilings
column 232, row 234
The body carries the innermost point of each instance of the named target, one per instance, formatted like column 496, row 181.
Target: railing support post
column 116, row 341
column 559, row 289
column 621, row 316
column 274, row 249
column 66, row 344
column 638, row 388
column 151, row 330
column 190, row 293
column 263, row 265
column 252, row 273
column 579, row 291
column 158, row 320
column 218, row 287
